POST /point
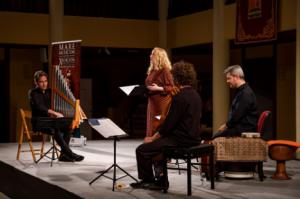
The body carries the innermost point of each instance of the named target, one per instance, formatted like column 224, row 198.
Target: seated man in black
column 180, row 128
column 40, row 101
column 243, row 115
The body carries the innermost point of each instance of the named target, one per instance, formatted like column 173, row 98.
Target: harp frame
column 79, row 115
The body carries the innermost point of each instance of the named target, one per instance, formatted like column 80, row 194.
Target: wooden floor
column 74, row 178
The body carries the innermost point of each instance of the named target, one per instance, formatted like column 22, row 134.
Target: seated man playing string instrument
column 40, row 101
column 180, row 127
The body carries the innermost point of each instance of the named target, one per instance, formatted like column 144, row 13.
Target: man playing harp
column 40, row 101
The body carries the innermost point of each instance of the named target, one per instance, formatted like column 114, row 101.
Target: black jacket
column 183, row 120
column 243, row 115
column 40, row 103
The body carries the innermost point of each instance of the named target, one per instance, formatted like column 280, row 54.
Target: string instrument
column 63, row 100
column 158, row 122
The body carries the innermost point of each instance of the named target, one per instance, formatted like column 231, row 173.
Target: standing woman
column 160, row 83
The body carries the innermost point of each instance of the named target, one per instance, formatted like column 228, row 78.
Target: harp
column 63, row 99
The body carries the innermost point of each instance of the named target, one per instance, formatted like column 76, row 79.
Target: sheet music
column 128, row 89
column 106, row 127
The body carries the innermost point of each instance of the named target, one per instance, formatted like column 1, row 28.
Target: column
column 220, row 62
column 162, row 23
column 56, row 18
column 297, row 73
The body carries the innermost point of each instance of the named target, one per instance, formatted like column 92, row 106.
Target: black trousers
column 227, row 133
column 61, row 136
column 145, row 154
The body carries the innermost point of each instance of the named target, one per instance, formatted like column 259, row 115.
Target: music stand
column 135, row 90
column 109, row 129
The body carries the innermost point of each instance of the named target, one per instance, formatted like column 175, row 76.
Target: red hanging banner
column 66, row 54
column 256, row 21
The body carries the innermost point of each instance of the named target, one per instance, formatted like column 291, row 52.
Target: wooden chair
column 26, row 132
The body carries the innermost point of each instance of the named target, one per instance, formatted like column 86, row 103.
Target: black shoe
column 77, row 157
column 143, row 184
column 160, row 184
column 65, row 158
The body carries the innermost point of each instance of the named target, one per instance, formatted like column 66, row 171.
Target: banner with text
column 66, row 54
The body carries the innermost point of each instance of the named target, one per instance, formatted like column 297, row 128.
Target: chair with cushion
column 238, row 157
column 25, row 131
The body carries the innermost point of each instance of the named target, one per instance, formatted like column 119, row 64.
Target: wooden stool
column 281, row 151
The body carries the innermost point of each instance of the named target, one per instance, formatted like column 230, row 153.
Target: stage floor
column 75, row 177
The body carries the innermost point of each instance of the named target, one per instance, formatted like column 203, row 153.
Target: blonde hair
column 162, row 60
